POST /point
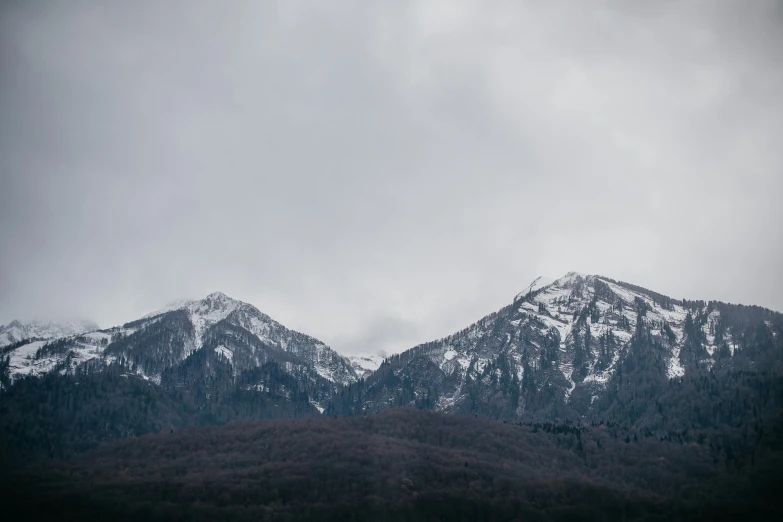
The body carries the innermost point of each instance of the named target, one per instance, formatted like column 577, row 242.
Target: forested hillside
column 406, row 464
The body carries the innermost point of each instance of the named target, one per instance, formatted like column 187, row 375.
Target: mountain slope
column 195, row 363
column 205, row 362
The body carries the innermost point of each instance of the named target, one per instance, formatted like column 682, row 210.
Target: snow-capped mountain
column 365, row 365
column 564, row 346
column 581, row 348
column 580, row 345
column 236, row 332
column 16, row 331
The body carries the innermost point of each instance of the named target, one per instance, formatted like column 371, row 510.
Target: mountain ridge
column 564, row 345
column 193, row 320
column 579, row 348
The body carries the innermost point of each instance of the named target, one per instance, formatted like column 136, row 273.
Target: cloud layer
column 379, row 174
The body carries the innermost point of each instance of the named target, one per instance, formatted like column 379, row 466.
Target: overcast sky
column 379, row 174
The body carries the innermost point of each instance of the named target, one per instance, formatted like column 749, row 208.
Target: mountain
column 16, row 331
column 201, row 362
column 582, row 346
column 236, row 332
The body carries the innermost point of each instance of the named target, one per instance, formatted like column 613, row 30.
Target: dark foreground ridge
column 403, row 464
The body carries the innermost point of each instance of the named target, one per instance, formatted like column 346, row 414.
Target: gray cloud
column 380, row 333
column 385, row 172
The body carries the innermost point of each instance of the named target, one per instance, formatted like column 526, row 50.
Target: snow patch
column 225, row 352
column 675, row 368
column 22, row 360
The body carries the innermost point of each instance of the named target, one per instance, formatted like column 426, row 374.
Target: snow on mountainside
column 326, row 362
column 556, row 303
column 365, row 365
column 216, row 307
column 236, row 331
column 562, row 342
column 561, row 348
column 17, row 331
column 205, row 312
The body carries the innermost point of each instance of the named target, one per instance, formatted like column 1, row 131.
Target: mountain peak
column 218, row 296
column 571, row 276
column 543, row 281
column 215, row 300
